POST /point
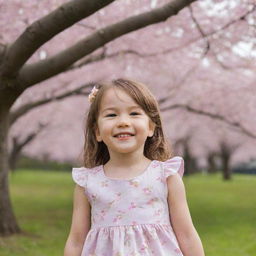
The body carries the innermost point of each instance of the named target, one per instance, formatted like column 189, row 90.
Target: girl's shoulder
column 80, row 174
column 173, row 165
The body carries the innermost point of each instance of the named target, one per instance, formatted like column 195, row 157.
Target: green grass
column 224, row 213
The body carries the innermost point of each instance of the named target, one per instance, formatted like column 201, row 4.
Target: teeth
column 123, row 135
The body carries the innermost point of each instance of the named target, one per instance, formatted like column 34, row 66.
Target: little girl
column 129, row 199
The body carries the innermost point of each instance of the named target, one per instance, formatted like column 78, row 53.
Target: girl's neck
column 124, row 161
column 124, row 168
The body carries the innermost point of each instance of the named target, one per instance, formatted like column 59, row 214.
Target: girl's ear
column 97, row 134
column 152, row 127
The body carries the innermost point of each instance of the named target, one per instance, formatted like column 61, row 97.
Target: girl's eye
column 135, row 113
column 110, row 115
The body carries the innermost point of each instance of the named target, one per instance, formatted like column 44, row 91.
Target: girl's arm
column 80, row 223
column 187, row 236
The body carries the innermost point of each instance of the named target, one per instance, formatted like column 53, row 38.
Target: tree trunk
column 14, row 154
column 8, row 223
column 226, row 151
column 211, row 159
column 226, row 168
column 13, row 159
column 191, row 163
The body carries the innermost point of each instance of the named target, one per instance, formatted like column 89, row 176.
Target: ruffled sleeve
column 174, row 165
column 80, row 176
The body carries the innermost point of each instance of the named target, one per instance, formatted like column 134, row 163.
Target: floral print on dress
column 130, row 217
column 104, row 183
column 153, row 201
column 119, row 216
column 147, row 190
column 133, row 205
column 134, row 183
column 158, row 212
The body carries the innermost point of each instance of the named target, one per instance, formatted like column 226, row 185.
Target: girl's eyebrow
column 113, row 108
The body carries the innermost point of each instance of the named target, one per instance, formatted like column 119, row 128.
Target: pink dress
column 130, row 217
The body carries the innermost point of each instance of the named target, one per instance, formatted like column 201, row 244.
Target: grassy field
column 224, row 213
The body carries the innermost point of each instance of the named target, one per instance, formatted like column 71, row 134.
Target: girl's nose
column 123, row 121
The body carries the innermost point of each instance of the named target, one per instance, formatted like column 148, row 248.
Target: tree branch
column 29, row 137
column 207, row 46
column 43, row 30
column 207, row 35
column 204, row 36
column 214, row 116
column 17, row 145
column 42, row 70
column 15, row 115
column 179, row 84
column 102, row 56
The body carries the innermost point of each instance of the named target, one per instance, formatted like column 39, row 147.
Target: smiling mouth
column 123, row 136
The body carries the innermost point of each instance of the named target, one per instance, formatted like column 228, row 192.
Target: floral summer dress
column 130, row 217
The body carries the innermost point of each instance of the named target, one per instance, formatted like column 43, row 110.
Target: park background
column 197, row 57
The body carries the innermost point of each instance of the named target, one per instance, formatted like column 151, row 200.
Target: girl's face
column 122, row 124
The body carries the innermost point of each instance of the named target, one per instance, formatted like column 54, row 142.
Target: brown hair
column 156, row 147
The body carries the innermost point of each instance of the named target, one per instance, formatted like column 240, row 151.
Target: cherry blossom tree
column 19, row 70
column 199, row 63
